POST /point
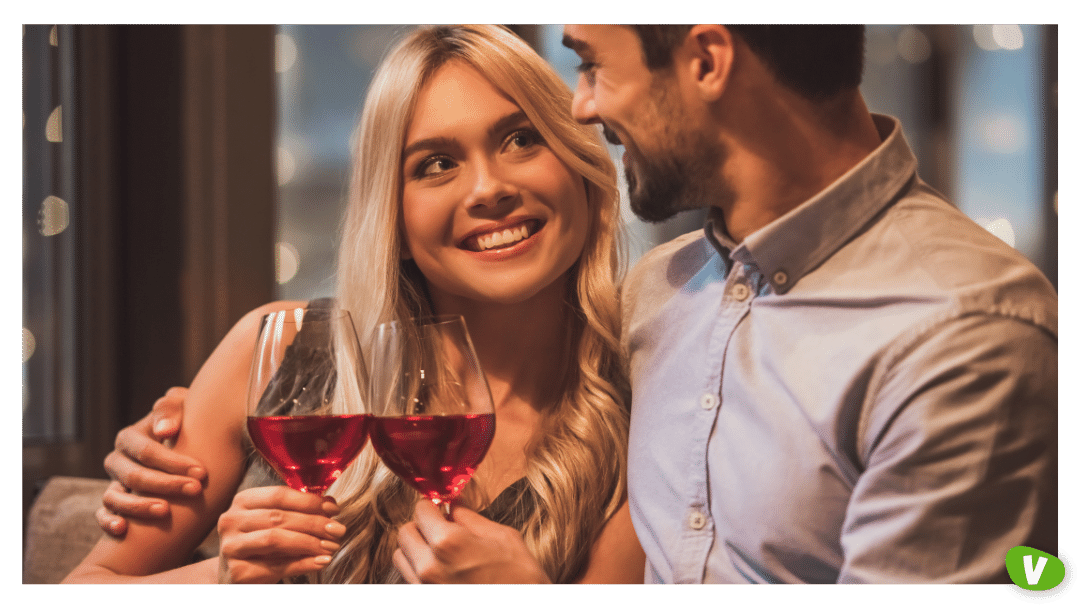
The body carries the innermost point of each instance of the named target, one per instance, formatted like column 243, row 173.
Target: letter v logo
column 1034, row 570
column 1033, row 574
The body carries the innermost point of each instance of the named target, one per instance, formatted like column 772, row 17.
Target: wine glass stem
column 445, row 506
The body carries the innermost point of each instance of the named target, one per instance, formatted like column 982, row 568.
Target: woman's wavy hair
column 577, row 464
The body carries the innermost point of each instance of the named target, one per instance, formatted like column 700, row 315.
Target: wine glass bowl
column 433, row 418
column 303, row 417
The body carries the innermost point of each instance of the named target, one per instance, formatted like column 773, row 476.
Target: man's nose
column 584, row 105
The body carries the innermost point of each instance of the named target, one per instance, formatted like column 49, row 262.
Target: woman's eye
column 522, row 139
column 434, row 166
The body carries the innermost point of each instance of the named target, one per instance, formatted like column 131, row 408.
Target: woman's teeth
column 502, row 239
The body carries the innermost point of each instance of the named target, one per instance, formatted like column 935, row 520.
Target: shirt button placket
column 697, row 520
column 740, row 291
column 708, row 401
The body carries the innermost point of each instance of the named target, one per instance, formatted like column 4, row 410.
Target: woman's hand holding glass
column 468, row 548
column 276, row 532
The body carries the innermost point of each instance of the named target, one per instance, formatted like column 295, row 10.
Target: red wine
column 309, row 452
column 437, row 455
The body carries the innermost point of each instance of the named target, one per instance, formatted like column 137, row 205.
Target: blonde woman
column 466, row 133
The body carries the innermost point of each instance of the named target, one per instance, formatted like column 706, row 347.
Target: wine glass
column 433, row 418
column 304, row 417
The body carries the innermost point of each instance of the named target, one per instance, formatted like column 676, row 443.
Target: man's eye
column 588, row 70
column 586, row 67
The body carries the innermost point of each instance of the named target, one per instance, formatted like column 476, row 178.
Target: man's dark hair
column 816, row 61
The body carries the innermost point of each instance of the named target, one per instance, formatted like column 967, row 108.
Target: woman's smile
column 502, row 235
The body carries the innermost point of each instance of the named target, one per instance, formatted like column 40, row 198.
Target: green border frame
column 321, row 11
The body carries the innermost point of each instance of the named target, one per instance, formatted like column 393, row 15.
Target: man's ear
column 710, row 51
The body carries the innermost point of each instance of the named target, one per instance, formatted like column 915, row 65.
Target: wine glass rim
column 428, row 320
column 332, row 313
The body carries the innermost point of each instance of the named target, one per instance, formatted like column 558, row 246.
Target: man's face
column 669, row 162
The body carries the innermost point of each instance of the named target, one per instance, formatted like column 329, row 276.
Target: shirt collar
column 797, row 242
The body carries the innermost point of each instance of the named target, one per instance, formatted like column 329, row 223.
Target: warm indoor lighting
column 287, row 260
column 53, row 216
column 52, row 37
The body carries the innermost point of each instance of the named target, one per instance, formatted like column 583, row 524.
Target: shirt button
column 740, row 291
column 697, row 520
column 708, row 401
column 779, row 277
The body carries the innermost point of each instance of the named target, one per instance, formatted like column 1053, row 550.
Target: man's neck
column 788, row 150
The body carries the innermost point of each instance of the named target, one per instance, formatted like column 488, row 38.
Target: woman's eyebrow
column 504, row 123
column 431, row 143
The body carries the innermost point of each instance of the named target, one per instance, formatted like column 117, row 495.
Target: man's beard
column 681, row 176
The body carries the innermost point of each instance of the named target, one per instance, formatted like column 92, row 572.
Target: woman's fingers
column 268, row 571
column 276, row 543
column 416, row 552
column 285, row 498
column 276, row 532
column 254, row 520
column 405, row 568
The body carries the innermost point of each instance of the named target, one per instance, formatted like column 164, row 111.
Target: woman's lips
column 503, row 238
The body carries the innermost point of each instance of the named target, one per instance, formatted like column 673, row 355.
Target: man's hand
column 468, row 549
column 143, row 463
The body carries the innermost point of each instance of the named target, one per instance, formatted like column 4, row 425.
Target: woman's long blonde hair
column 577, row 465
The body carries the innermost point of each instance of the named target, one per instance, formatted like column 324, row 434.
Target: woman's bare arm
column 212, row 432
column 616, row 556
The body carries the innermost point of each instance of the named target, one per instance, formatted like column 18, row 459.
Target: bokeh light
column 913, row 45
column 53, row 130
column 285, row 54
column 53, row 216
column 286, row 165
column 984, row 37
column 1003, row 133
column 1008, row 37
column 880, row 46
column 287, row 260
column 29, row 344
column 1001, row 228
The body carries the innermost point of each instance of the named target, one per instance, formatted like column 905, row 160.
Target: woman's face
column 490, row 213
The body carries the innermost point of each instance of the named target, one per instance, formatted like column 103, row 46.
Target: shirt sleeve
column 959, row 449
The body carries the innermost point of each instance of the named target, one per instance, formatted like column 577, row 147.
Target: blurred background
column 175, row 177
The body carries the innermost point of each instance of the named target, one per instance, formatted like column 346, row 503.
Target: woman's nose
column 489, row 186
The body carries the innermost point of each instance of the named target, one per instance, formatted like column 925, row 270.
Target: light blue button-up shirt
column 864, row 390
